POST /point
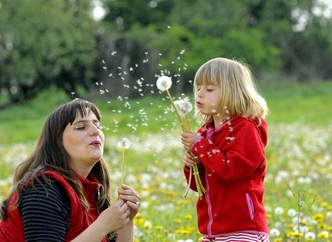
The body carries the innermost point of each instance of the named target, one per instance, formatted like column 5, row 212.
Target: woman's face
column 84, row 142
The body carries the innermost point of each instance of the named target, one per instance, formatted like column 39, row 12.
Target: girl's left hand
column 131, row 197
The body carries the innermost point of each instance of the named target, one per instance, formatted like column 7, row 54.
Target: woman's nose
column 95, row 130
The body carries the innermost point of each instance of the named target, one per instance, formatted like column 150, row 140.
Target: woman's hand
column 131, row 198
column 114, row 218
column 188, row 138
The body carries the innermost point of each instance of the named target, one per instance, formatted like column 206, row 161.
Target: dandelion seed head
column 164, row 83
column 310, row 236
column 291, row 212
column 278, row 210
column 183, row 106
column 124, row 143
column 274, row 232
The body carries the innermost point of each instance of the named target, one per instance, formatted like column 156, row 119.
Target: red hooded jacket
column 12, row 229
column 233, row 172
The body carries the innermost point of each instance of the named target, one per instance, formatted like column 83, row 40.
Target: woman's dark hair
column 49, row 154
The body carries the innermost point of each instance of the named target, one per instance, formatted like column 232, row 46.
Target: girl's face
column 207, row 99
column 84, row 142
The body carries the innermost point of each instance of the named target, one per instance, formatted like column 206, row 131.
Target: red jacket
column 12, row 230
column 233, row 173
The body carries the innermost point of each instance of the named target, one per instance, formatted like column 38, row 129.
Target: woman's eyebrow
column 86, row 120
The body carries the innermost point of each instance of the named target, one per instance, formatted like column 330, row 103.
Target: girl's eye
column 81, row 128
column 210, row 90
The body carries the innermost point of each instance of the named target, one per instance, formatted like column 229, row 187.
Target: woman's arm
column 45, row 217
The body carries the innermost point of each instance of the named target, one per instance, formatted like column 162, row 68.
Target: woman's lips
column 95, row 143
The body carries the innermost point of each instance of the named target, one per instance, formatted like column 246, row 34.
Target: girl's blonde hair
column 238, row 96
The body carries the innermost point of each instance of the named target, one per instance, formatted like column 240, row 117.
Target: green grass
column 305, row 103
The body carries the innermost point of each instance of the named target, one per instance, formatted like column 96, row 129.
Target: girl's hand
column 131, row 198
column 190, row 160
column 188, row 138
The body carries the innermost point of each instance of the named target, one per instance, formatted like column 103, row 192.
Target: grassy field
column 299, row 174
column 306, row 103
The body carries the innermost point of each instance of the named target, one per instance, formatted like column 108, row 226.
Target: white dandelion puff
column 183, row 106
column 310, row 236
column 274, row 232
column 278, row 210
column 164, row 83
column 291, row 212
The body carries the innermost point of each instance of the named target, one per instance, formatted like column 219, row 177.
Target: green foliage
column 57, row 43
column 46, row 44
column 126, row 13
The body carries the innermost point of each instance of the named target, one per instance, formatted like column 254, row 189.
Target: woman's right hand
column 115, row 216
column 112, row 219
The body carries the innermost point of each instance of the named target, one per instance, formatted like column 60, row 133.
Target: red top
column 233, row 172
column 12, row 230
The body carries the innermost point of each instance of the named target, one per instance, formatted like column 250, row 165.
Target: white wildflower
column 164, row 83
column 291, row 212
column 278, row 210
column 147, row 225
column 310, row 236
column 274, row 232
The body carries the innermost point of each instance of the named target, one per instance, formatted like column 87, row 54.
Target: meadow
column 299, row 168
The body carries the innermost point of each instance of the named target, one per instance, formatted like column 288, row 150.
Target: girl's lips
column 199, row 103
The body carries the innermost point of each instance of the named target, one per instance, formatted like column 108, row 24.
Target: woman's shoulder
column 41, row 191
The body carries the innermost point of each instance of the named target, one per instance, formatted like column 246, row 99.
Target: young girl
column 229, row 152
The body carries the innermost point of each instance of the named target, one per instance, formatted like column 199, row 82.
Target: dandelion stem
column 189, row 182
column 173, row 104
column 122, row 175
column 194, row 170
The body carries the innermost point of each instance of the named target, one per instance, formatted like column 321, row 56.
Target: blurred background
column 119, row 47
column 111, row 52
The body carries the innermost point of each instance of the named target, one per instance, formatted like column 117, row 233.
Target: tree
column 46, row 43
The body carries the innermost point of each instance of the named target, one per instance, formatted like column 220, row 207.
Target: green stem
column 122, row 176
column 189, row 182
column 176, row 110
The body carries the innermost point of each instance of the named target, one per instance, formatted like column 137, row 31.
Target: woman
column 61, row 192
